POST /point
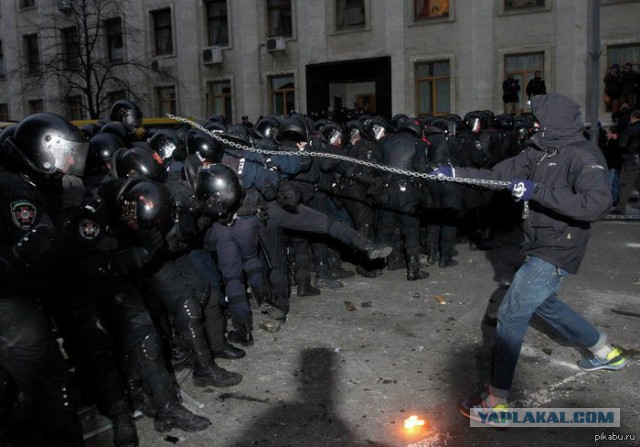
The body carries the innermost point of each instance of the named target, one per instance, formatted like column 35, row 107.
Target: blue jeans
column 534, row 290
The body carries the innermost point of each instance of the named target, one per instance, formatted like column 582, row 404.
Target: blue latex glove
column 522, row 189
column 444, row 172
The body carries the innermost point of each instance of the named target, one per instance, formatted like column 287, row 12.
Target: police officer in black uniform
column 406, row 150
column 44, row 148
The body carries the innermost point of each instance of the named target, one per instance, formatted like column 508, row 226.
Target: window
column 217, row 25
column 511, row 5
column 523, row 68
column 279, row 18
column 623, row 54
column 350, row 14
column 4, row 112
column 74, row 109
column 24, row 4
column 283, row 94
column 166, row 100
column 71, row 48
column 35, row 106
column 428, row 9
column 2, row 67
column 220, row 99
column 433, row 85
column 113, row 29
column 32, row 51
column 162, row 32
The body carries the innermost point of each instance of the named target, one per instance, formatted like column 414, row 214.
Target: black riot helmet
column 120, row 130
column 217, row 118
column 455, row 123
column 293, row 129
column 439, row 125
column 523, row 126
column 101, row 149
column 489, row 117
column 319, row 124
column 354, row 128
column 412, row 126
column 238, row 133
column 89, row 130
column 397, row 119
column 204, row 146
column 138, row 161
column 144, row 204
column 168, row 144
column 503, row 121
column 219, row 187
column 126, row 112
column 47, row 143
column 267, row 127
column 333, row 134
column 377, row 128
column 475, row 121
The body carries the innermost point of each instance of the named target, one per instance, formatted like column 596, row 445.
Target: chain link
column 218, row 135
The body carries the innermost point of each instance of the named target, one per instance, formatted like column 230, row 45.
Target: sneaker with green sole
column 615, row 360
column 473, row 407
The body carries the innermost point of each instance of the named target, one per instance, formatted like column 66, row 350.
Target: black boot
column 229, row 352
column 413, row 269
column 432, row 255
column 447, row 261
column 242, row 334
column 177, row 416
column 360, row 270
column 306, row 289
column 335, row 269
column 148, row 362
column 214, row 375
column 125, row 433
column 323, row 278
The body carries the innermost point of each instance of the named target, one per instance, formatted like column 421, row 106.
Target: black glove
column 126, row 261
column 269, row 192
column 203, row 223
column 289, row 197
column 34, row 244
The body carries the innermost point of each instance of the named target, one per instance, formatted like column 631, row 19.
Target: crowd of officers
column 127, row 255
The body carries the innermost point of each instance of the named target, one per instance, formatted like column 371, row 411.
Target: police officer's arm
column 35, row 246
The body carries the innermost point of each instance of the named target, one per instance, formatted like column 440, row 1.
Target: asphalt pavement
column 349, row 366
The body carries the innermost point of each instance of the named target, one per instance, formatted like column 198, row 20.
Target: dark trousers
column 238, row 253
column 30, row 356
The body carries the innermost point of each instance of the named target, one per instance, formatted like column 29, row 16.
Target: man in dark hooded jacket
column 562, row 179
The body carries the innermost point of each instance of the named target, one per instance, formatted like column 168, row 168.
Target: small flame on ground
column 413, row 423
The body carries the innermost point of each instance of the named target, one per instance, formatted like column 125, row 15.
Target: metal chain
column 489, row 184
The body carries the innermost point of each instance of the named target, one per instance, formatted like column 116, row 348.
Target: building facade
column 254, row 57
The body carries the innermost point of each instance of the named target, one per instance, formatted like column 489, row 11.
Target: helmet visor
column 335, row 138
column 69, row 156
column 132, row 119
column 378, row 131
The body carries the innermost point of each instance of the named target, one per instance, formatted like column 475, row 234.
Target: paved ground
column 339, row 377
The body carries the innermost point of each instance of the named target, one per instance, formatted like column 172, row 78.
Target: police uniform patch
column 23, row 214
column 88, row 229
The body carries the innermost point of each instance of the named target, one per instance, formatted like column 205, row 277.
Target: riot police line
column 139, row 249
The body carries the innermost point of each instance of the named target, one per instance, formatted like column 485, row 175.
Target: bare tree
column 83, row 50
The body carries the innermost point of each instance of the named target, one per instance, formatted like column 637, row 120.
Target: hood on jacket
column 560, row 119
